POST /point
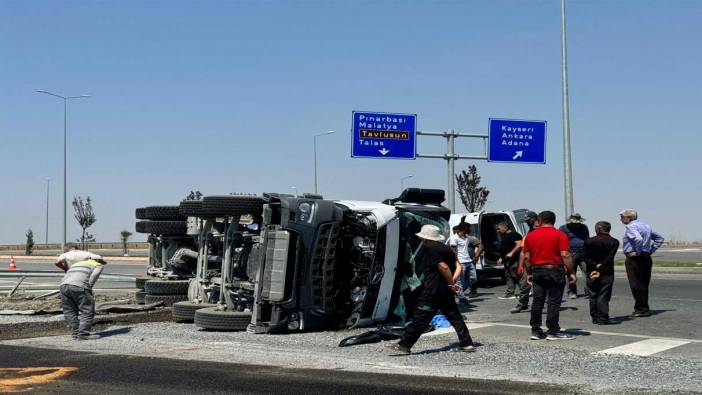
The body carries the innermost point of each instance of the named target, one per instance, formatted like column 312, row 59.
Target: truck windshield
column 410, row 251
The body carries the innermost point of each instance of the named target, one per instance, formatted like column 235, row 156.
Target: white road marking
column 444, row 331
column 644, row 348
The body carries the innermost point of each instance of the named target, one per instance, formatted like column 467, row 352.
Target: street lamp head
column 84, row 96
column 331, row 131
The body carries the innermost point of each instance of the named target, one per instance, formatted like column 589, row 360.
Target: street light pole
column 46, row 229
column 567, row 166
column 315, row 156
column 65, row 151
column 294, row 189
column 402, row 182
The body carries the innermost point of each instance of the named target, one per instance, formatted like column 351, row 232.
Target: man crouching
column 77, row 301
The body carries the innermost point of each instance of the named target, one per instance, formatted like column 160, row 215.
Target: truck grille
column 323, row 258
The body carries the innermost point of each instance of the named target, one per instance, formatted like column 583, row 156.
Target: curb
column 667, row 270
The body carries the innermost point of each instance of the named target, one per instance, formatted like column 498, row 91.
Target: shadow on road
column 113, row 332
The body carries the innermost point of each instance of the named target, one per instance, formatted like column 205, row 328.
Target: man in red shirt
column 548, row 261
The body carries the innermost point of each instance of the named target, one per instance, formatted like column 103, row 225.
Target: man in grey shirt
column 77, row 302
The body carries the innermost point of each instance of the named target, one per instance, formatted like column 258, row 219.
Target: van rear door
column 518, row 217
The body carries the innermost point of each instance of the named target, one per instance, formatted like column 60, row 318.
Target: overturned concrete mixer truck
column 280, row 263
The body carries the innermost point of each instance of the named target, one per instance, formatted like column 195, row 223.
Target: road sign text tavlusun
column 383, row 135
column 517, row 141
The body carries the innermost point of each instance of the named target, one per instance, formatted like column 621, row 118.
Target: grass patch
column 666, row 264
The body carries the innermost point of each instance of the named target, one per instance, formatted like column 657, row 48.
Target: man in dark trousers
column 547, row 260
column 577, row 233
column 437, row 294
column 510, row 246
column 640, row 242
column 599, row 252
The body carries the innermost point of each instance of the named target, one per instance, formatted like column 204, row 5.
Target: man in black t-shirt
column 599, row 252
column 437, row 293
column 510, row 246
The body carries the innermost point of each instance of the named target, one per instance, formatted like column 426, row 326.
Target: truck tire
column 140, row 227
column 167, row 287
column 139, row 296
column 211, row 318
column 140, row 281
column 185, row 311
column 167, row 300
column 140, row 213
column 166, row 227
column 190, row 208
column 164, row 213
column 225, row 205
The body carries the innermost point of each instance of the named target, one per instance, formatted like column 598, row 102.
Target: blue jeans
column 468, row 275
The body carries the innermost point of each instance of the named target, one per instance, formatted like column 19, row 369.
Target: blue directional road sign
column 517, row 141
column 383, row 135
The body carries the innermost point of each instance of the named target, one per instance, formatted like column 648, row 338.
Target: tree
column 85, row 216
column 124, row 235
column 468, row 186
column 29, row 245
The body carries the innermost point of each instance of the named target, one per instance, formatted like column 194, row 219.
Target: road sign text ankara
column 383, row 135
column 515, row 140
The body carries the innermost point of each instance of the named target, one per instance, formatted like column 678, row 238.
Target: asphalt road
column 115, row 374
column 659, row 354
column 687, row 255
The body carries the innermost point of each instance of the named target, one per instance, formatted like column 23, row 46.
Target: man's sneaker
column 507, row 297
column 397, row 347
column 559, row 336
column 87, row 337
column 473, row 294
column 470, row 348
column 572, row 295
column 537, row 335
column 519, row 309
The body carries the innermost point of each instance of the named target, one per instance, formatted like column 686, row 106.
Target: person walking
column 577, row 233
column 639, row 243
column 599, row 252
column 510, row 247
column 547, row 261
column 467, row 248
column 437, row 294
column 524, row 291
column 82, row 269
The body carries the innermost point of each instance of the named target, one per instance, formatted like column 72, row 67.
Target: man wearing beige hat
column 437, row 294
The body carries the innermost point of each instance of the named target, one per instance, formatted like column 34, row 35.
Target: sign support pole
column 450, row 157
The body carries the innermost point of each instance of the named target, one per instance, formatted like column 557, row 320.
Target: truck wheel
column 167, row 287
column 140, row 281
column 166, row 227
column 167, row 300
column 164, row 213
column 213, row 319
column 185, row 311
column 140, row 213
column 190, row 208
column 139, row 296
column 225, row 205
column 140, row 227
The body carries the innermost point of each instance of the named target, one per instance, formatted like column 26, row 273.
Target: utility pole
column 65, row 150
column 46, row 229
column 567, row 166
column 402, row 182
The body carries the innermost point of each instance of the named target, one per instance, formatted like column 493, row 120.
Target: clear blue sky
column 225, row 97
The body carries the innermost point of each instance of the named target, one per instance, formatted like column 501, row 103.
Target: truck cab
column 320, row 264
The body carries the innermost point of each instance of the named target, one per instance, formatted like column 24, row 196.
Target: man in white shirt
column 467, row 248
column 77, row 302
